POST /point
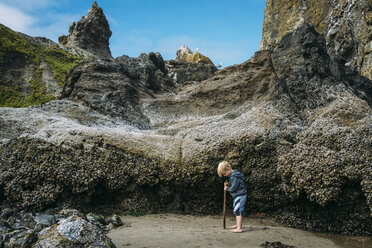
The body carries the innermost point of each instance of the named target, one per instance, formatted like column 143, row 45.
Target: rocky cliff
column 127, row 136
column 189, row 66
column 32, row 70
column 91, row 33
column 345, row 24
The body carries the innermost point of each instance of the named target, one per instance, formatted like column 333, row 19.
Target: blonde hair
column 223, row 166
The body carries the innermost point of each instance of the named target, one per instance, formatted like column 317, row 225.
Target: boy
column 237, row 190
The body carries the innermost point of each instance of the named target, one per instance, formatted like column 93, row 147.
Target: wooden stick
column 224, row 208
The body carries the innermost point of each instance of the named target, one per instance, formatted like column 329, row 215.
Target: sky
column 227, row 31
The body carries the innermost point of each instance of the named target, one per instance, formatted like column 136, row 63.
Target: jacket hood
column 237, row 174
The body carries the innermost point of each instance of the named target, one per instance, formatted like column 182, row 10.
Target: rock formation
column 127, row 136
column 73, row 231
column 346, row 25
column 184, row 54
column 114, row 87
column 32, row 70
column 190, row 66
column 91, row 33
column 66, row 228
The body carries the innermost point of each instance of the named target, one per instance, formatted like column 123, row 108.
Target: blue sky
column 227, row 31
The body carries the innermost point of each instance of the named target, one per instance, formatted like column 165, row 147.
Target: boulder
column 73, row 232
column 113, row 219
column 25, row 238
column 44, row 220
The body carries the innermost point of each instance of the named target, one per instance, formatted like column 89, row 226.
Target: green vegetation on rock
column 10, row 97
column 12, row 41
column 57, row 59
column 196, row 57
column 60, row 61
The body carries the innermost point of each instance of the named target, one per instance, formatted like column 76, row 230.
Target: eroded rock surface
column 73, row 232
column 55, row 228
column 91, row 33
column 346, row 25
column 114, row 87
column 189, row 72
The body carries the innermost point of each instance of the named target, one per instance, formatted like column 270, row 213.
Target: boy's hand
column 226, row 184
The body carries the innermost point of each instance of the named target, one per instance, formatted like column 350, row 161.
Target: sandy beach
column 173, row 230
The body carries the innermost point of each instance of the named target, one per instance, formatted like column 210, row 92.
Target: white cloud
column 52, row 25
column 15, row 19
column 27, row 5
column 36, row 18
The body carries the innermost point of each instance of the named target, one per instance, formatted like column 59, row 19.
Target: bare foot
column 237, row 230
column 233, row 227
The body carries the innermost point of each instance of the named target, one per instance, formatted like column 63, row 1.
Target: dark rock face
column 314, row 68
column 224, row 91
column 114, row 87
column 182, row 71
column 91, row 33
column 148, row 70
column 104, row 170
column 18, row 71
column 346, row 26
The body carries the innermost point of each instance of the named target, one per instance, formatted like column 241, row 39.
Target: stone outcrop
column 91, row 33
column 185, row 54
column 346, row 25
column 73, row 232
column 56, row 228
column 114, row 87
column 189, row 67
column 181, row 71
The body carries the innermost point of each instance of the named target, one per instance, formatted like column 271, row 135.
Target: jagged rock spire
column 95, row 5
column 91, row 33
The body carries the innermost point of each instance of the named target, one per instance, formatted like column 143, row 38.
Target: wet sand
column 173, row 230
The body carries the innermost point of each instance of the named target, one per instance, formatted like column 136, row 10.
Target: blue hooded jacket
column 236, row 184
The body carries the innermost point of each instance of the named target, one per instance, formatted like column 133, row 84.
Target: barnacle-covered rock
column 73, row 232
